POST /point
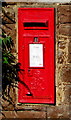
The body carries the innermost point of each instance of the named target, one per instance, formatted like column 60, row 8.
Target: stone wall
column 62, row 61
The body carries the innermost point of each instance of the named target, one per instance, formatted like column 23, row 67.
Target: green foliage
column 9, row 68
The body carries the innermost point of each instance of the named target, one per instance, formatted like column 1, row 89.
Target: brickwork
column 62, row 61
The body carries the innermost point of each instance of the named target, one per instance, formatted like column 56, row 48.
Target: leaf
column 9, row 67
column 5, row 60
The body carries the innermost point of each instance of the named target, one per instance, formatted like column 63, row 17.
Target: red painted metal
column 38, row 82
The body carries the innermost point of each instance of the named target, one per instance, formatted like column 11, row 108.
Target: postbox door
column 36, row 55
column 38, row 65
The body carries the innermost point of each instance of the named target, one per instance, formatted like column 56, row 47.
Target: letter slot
column 35, row 24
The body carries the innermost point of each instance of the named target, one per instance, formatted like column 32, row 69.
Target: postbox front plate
column 36, row 55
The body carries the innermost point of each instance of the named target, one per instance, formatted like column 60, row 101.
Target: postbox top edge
column 20, row 8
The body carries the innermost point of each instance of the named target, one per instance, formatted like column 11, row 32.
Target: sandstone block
column 52, row 112
column 24, row 114
column 9, row 104
column 69, row 51
column 65, row 29
column 8, row 15
column 60, row 112
column 66, row 73
column 64, row 8
column 62, row 44
column 67, row 94
column 66, row 18
column 60, row 56
column 64, row 14
column 10, row 30
column 32, row 107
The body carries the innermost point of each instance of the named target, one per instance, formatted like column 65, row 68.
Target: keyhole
column 35, row 39
column 28, row 70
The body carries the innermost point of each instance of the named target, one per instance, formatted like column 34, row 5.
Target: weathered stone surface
column 64, row 14
column 32, row 114
column 59, row 95
column 64, row 8
column 0, row 117
column 8, row 15
column 10, row 105
column 52, row 112
column 66, row 111
column 67, row 94
column 32, row 107
column 62, row 44
column 61, row 111
column 10, row 30
column 60, row 56
column 63, row 38
column 65, row 18
column 24, row 114
column 58, row 112
column 69, row 51
column 66, row 73
column 65, row 29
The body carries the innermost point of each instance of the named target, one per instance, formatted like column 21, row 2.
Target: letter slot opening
column 35, row 25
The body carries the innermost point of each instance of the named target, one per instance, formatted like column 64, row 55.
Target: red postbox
column 36, row 55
